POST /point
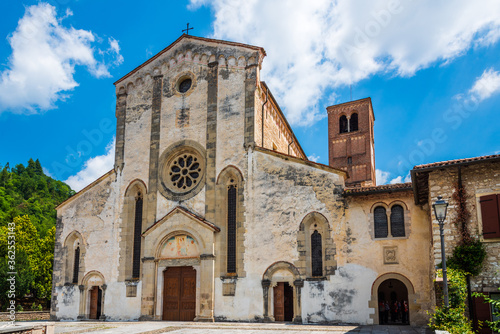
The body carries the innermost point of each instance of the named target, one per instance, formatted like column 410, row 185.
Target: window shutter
column 316, row 254
column 490, row 216
column 136, row 264
column 482, row 313
column 380, row 218
column 76, row 265
column 231, row 229
column 397, row 221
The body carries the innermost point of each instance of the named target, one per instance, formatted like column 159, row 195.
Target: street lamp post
column 440, row 206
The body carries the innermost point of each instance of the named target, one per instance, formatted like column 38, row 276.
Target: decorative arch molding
column 90, row 281
column 74, row 254
column 134, row 212
column 191, row 233
column 270, row 279
column 230, row 196
column 138, row 183
column 315, row 221
column 414, row 303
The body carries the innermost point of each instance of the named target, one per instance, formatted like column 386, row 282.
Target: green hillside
column 28, row 199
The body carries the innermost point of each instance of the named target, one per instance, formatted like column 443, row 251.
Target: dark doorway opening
column 179, row 294
column 393, row 305
column 95, row 302
column 283, row 302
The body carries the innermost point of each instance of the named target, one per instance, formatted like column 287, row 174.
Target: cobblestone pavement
column 157, row 327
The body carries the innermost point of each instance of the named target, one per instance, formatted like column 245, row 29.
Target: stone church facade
column 213, row 212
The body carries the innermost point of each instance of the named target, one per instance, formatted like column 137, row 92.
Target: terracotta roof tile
column 458, row 161
column 378, row 189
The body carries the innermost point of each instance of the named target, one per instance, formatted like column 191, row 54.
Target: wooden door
column 279, row 302
column 179, row 294
column 94, row 298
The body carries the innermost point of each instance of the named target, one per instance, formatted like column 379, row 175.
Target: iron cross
column 187, row 29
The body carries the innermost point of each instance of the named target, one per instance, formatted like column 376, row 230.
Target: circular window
column 184, row 85
column 185, row 171
column 182, row 173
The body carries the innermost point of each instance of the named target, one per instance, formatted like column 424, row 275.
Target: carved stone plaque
column 391, row 255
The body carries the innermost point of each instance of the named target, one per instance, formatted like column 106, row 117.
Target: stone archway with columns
column 91, row 279
column 282, row 272
column 178, row 223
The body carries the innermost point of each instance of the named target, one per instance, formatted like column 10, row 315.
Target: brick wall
column 352, row 151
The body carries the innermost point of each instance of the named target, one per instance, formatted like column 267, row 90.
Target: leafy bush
column 468, row 257
column 453, row 319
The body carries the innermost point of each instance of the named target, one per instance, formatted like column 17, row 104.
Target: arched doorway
column 282, row 286
column 393, row 302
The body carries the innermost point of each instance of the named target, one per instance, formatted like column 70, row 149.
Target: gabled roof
column 78, row 194
column 386, row 188
column 183, row 37
column 182, row 210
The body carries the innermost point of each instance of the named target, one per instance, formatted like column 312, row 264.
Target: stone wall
column 479, row 180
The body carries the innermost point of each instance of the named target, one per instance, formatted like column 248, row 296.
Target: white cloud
column 315, row 46
column 314, row 157
column 44, row 55
column 381, row 177
column 93, row 169
column 486, row 85
column 400, row 179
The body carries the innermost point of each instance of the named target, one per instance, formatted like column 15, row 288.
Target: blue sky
column 431, row 68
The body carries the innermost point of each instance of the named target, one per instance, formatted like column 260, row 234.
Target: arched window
column 397, row 221
column 74, row 253
column 231, row 229
column 136, row 264
column 380, row 219
column 353, row 122
column 76, row 265
column 316, row 254
column 343, row 124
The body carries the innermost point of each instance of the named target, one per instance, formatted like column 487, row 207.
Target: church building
column 213, row 212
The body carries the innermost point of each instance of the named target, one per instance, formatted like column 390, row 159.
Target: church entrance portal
column 95, row 302
column 179, row 294
column 283, row 302
column 393, row 303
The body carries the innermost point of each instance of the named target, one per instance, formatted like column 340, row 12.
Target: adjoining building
column 213, row 212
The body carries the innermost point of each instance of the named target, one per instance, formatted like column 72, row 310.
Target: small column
column 265, row 288
column 81, row 315
column 297, row 307
column 207, row 265
column 103, row 302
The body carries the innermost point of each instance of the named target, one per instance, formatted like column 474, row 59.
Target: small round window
column 184, row 85
column 185, row 172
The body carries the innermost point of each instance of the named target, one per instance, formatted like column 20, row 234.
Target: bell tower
column 351, row 141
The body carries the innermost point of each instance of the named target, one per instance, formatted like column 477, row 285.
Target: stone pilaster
column 121, row 106
column 154, row 149
column 207, row 267
column 210, row 202
column 250, row 86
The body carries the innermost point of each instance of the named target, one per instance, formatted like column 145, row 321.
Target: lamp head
column 440, row 206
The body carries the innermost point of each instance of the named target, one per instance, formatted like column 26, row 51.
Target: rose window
column 185, row 172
